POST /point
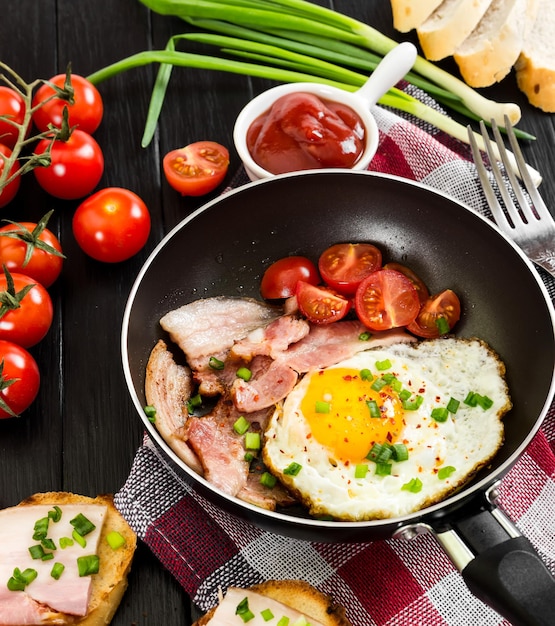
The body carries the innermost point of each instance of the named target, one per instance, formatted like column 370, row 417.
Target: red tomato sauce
column 300, row 131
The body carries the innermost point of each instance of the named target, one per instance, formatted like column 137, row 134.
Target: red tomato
column 321, row 305
column 76, row 168
column 12, row 111
column 344, row 265
column 196, row 169
column 85, row 110
column 419, row 284
column 30, row 248
column 7, row 194
column 27, row 321
column 386, row 299
column 19, row 379
column 445, row 305
column 112, row 225
column 281, row 277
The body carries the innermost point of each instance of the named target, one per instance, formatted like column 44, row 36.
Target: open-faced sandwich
column 64, row 559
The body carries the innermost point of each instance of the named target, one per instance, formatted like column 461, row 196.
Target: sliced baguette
column 449, row 25
column 298, row 595
column 109, row 585
column 535, row 66
column 408, row 14
column 487, row 55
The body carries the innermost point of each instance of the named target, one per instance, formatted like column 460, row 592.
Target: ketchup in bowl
column 302, row 131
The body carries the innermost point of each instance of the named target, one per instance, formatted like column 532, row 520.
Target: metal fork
column 527, row 221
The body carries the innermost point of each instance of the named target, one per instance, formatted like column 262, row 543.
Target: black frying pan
column 224, row 247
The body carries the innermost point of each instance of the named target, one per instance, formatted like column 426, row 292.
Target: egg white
column 437, row 370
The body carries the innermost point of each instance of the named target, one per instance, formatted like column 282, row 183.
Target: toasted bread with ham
column 292, row 598
column 89, row 600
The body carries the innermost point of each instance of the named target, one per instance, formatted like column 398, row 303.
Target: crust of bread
column 301, row 596
column 408, row 14
column 449, row 25
column 109, row 585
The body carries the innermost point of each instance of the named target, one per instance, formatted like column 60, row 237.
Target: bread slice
column 535, row 66
column 487, row 55
column 298, row 595
column 449, row 25
column 408, row 14
column 109, row 585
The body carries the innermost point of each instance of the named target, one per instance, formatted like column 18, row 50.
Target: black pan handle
column 500, row 566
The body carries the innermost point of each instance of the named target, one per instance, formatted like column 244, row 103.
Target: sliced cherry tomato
column 26, row 311
column 19, row 379
column 76, row 168
column 12, row 111
column 281, row 277
column 85, row 108
column 319, row 304
column 343, row 266
column 386, row 299
column 30, row 248
column 419, row 284
column 196, row 169
column 437, row 316
column 112, row 225
column 8, row 193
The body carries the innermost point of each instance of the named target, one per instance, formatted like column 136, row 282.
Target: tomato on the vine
column 437, row 316
column 19, row 379
column 281, row 277
column 196, row 169
column 76, row 167
column 321, row 305
column 343, row 266
column 26, row 309
column 12, row 111
column 30, row 248
column 386, row 299
column 8, row 193
column 85, row 108
column 112, row 225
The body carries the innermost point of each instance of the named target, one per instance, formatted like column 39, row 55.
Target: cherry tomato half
column 196, row 169
column 343, row 266
column 320, row 305
column 8, row 193
column 27, row 324
column 85, row 112
column 386, row 299
column 30, row 248
column 419, row 284
column 12, row 111
column 76, row 168
column 281, row 277
column 19, row 379
column 444, row 306
column 112, row 225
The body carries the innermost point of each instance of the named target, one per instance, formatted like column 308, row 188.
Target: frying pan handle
column 501, row 567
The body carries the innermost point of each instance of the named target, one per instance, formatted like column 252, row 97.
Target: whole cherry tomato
column 12, row 111
column 85, row 108
column 8, row 193
column 281, row 277
column 19, row 379
column 76, row 168
column 112, row 225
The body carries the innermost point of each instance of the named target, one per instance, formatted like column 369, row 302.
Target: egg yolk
column 336, row 408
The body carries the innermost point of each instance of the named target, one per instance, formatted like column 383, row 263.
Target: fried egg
column 389, row 431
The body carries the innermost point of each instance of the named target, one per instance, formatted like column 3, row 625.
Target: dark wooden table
column 82, row 432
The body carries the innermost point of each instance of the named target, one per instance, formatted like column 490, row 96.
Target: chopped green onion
column 380, row 453
column 244, row 373
column 48, row 556
column 383, row 469
column 193, row 403
column 82, row 525
column 453, row 405
column 66, row 542
column 373, row 408
column 57, row 570
column 445, row 471
column 440, row 414
column 48, row 544
column 243, row 610
column 471, row 399
column 150, row 412
column 400, row 452
column 292, row 469
column 249, row 457
column 322, row 406
column 366, row 374
column 301, row 621
column 414, row 404
column 404, row 395
column 383, row 365
column 389, row 378
column 241, row 425
column 378, row 384
column 361, row 470
column 414, row 485
column 115, row 540
column 267, row 615
column 79, row 539
column 365, row 336
column 215, row 363
column 485, row 402
column 14, row 584
column 252, row 441
column 36, row 552
column 55, row 514
column 442, row 325
column 88, row 565
column 284, row 621
column 268, row 480
column 20, row 579
column 41, row 528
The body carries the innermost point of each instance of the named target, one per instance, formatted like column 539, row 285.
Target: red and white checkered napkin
column 390, row 582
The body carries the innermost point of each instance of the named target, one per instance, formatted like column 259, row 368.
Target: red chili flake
column 348, row 377
column 389, row 436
